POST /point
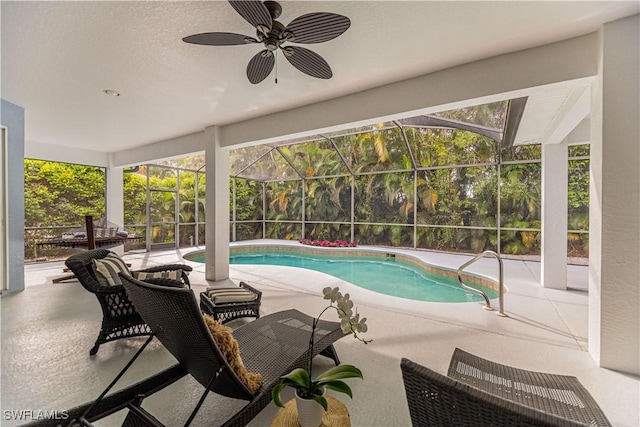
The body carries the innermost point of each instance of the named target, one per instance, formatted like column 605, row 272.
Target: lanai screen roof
column 331, row 154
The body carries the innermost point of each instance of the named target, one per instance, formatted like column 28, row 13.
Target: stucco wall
column 12, row 117
column 614, row 282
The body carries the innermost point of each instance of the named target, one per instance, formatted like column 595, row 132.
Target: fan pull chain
column 276, row 58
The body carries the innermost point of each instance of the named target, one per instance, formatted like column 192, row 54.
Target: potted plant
column 310, row 393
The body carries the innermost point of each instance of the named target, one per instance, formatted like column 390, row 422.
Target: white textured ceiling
column 57, row 57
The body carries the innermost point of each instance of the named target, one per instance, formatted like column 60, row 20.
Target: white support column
column 554, row 215
column 115, row 200
column 614, row 222
column 217, row 202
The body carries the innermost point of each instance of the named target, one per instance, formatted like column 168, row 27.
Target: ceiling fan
column 311, row 28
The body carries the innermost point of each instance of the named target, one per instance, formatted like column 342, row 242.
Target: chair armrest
column 252, row 289
column 169, row 267
column 166, row 267
column 106, row 290
column 165, row 282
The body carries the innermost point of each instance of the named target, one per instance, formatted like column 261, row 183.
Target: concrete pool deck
column 47, row 332
column 536, row 313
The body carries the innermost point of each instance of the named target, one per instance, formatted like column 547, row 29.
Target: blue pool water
column 387, row 276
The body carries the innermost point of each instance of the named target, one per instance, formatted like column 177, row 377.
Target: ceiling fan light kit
column 310, row 28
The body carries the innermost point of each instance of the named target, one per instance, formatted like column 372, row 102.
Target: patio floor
column 48, row 329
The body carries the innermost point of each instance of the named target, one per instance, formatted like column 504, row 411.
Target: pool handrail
column 501, row 312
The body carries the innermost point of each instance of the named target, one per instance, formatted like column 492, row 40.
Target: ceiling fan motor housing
column 273, row 39
column 274, row 8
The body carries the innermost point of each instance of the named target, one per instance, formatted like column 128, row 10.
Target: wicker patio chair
column 119, row 317
column 272, row 345
column 480, row 392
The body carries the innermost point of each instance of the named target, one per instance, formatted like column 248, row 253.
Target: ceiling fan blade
column 254, row 12
column 219, row 39
column 260, row 66
column 318, row 27
column 308, row 62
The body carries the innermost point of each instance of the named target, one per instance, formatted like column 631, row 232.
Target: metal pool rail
column 481, row 293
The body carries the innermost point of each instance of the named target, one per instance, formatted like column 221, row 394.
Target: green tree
column 248, row 207
column 520, row 202
column 135, row 197
column 59, row 194
column 578, row 204
column 62, row 193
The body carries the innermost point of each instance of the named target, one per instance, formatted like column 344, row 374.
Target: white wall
column 4, row 221
column 614, row 237
column 12, row 116
column 570, row 63
column 54, row 153
column 170, row 148
column 175, row 147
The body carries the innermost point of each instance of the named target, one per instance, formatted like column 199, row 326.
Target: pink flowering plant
column 300, row 379
column 328, row 243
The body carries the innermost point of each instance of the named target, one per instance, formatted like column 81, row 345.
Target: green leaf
column 297, row 377
column 339, row 372
column 322, row 401
column 339, row 386
column 275, row 394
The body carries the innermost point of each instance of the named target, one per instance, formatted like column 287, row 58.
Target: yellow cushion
column 228, row 345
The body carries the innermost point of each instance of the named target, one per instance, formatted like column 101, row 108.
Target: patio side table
column 226, row 304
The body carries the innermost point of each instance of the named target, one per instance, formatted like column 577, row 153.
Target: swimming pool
column 388, row 273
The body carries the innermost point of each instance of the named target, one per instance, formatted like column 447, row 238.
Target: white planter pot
column 309, row 412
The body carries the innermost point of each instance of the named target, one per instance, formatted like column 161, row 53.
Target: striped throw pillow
column 107, row 269
column 168, row 274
